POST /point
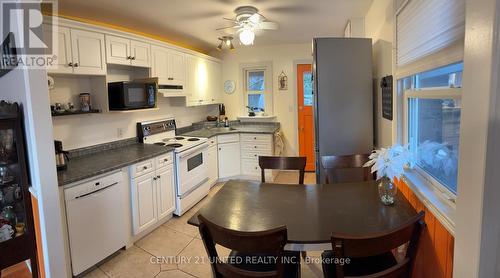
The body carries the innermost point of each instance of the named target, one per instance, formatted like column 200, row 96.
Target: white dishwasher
column 95, row 212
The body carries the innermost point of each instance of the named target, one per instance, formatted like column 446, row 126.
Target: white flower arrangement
column 390, row 162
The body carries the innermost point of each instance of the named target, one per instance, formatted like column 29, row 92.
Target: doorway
column 305, row 103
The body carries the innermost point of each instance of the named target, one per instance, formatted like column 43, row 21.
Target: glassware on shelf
column 5, row 176
column 6, row 232
column 9, row 214
column 387, row 191
column 6, row 145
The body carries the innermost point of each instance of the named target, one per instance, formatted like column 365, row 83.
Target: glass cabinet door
column 12, row 205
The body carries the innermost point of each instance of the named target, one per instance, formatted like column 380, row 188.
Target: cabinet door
column 214, row 82
column 192, row 87
column 176, row 68
column 213, row 164
column 117, row 50
column 165, row 191
column 229, row 160
column 159, row 64
column 88, row 52
column 63, row 63
column 144, row 202
column 140, row 53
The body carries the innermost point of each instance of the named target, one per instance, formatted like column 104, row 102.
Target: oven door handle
column 193, row 150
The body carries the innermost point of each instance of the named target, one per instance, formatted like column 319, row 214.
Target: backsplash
column 81, row 131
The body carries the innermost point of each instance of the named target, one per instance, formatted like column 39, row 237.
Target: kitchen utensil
column 61, row 156
column 6, row 232
column 59, row 107
column 85, row 102
column 70, row 107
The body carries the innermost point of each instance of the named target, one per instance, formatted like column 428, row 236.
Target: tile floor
column 177, row 239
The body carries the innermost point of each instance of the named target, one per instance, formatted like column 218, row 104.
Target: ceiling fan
column 247, row 22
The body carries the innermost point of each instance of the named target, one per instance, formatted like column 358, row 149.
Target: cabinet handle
column 158, row 177
column 154, row 178
column 132, row 58
column 255, row 147
column 255, row 155
column 220, row 149
column 128, row 57
column 165, row 160
column 170, row 78
column 76, row 65
column 255, row 138
column 145, row 168
column 70, row 64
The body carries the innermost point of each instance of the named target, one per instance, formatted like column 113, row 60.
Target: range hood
column 171, row 90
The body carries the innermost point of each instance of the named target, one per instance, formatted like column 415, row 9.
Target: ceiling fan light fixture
column 219, row 47
column 231, row 46
column 247, row 36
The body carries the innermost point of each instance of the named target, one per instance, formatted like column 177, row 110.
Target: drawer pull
column 165, row 160
column 145, row 168
column 255, row 138
column 154, row 178
column 255, row 147
column 158, row 177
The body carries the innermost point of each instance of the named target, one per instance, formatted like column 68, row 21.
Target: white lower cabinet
column 253, row 146
column 229, row 155
column 152, row 192
column 213, row 161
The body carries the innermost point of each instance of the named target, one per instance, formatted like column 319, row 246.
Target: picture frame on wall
column 282, row 81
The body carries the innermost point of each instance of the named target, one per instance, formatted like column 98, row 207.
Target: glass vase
column 387, row 191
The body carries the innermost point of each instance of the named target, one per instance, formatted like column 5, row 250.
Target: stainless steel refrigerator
column 343, row 94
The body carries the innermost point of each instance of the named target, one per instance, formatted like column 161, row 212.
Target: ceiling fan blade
column 268, row 25
column 228, row 27
column 256, row 18
column 230, row 19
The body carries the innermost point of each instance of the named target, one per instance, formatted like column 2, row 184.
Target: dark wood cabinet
column 17, row 233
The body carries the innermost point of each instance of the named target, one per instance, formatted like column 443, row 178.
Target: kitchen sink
column 222, row 129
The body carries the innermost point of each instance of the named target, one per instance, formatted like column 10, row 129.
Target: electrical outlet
column 119, row 132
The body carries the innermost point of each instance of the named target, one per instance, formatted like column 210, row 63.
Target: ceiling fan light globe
column 247, row 37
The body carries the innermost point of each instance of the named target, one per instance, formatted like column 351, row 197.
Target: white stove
column 191, row 172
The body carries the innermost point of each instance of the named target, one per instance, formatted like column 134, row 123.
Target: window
column 257, row 88
column 308, row 85
column 433, row 106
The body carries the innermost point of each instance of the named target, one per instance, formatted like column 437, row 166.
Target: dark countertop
column 213, row 131
column 87, row 166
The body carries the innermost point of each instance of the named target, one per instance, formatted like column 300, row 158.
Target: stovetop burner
column 174, row 145
column 179, row 138
column 159, row 144
column 194, row 139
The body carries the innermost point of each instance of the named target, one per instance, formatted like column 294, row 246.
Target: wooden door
column 165, row 191
column 88, row 52
column 63, row 63
column 144, row 202
column 140, row 53
column 306, row 118
column 117, row 50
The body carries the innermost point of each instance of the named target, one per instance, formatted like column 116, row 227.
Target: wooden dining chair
column 371, row 256
column 263, row 247
column 335, row 164
column 283, row 163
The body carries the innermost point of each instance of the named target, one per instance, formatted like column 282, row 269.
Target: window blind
column 424, row 27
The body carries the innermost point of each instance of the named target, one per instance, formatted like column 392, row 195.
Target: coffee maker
column 61, row 156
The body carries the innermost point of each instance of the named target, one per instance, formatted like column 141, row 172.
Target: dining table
column 311, row 213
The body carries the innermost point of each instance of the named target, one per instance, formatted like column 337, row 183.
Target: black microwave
column 130, row 95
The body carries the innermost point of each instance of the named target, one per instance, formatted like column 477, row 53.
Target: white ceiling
column 193, row 22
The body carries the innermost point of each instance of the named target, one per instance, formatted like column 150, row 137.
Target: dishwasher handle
column 98, row 190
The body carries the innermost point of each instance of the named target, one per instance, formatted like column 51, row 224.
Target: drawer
column 256, row 146
column 212, row 141
column 164, row 160
column 142, row 168
column 249, row 137
column 254, row 154
column 228, row 138
column 250, row 167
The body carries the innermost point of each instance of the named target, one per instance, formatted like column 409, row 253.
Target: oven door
column 192, row 171
column 140, row 95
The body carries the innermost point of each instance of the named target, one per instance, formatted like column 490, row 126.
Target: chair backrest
column 361, row 247
column 333, row 164
column 267, row 242
column 283, row 163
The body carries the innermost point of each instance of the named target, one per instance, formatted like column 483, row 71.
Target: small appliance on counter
column 130, row 95
column 85, row 104
column 61, row 156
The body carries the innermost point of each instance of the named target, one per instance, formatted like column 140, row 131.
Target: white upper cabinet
column 141, row 54
column 63, row 63
column 87, row 49
column 203, row 81
column 168, row 65
column 123, row 51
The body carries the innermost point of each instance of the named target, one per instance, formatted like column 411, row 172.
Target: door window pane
column 434, row 130
column 308, row 95
column 255, row 81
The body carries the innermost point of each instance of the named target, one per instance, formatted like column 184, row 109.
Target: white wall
column 78, row 131
column 282, row 58
column 379, row 27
